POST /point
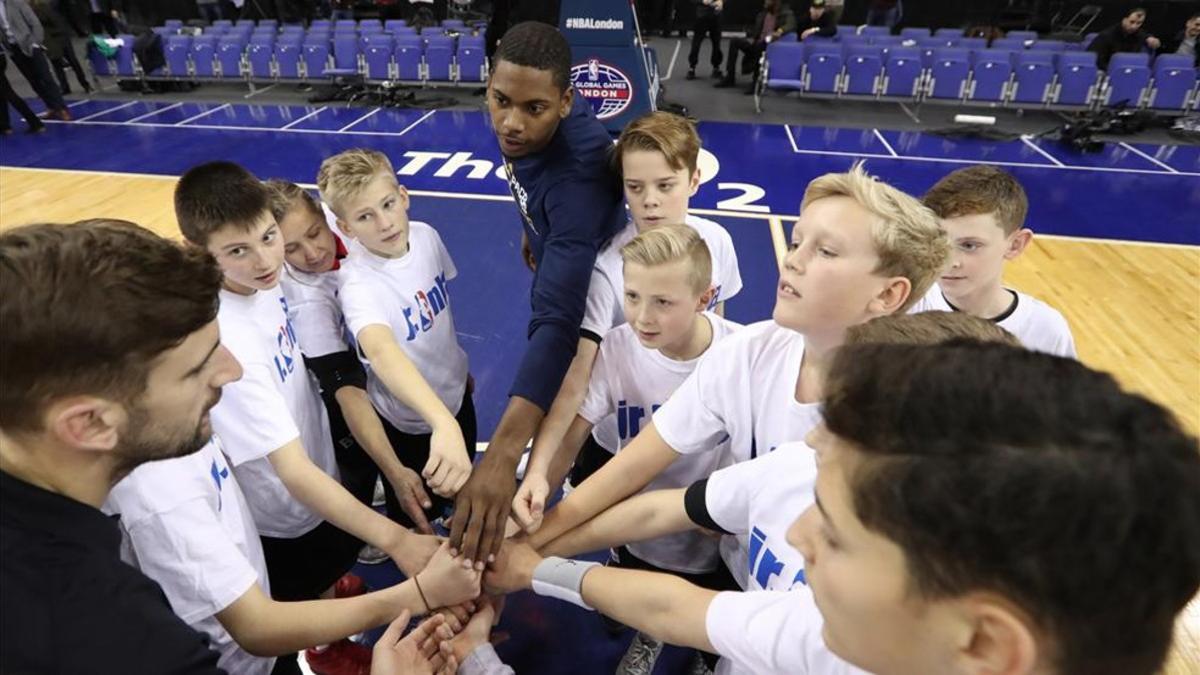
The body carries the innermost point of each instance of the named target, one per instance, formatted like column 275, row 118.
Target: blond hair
column 980, row 190
column 672, row 243
column 666, row 133
column 927, row 328
column 907, row 237
column 286, row 195
column 347, row 173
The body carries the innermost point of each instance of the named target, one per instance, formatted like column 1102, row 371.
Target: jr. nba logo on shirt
column 285, row 360
column 429, row 304
column 764, row 564
column 629, row 418
column 219, row 474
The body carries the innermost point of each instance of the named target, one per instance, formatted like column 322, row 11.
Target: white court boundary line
column 360, row 119
column 1147, row 157
column 193, row 117
column 781, row 218
column 671, row 65
column 152, row 113
column 298, row 120
column 1056, row 165
column 103, row 112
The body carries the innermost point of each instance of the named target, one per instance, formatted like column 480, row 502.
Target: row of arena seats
column 378, row 51
column 1020, row 72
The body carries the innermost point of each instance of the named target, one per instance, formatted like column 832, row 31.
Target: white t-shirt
column 1037, row 325
column 314, row 309
column 743, row 388
column 605, row 307
column 274, row 403
column 409, row 295
column 761, row 499
column 629, row 382
column 771, row 633
column 187, row 526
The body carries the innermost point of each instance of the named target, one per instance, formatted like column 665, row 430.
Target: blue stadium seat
column 378, row 57
column 222, row 23
column 949, row 74
column 472, row 63
column 438, row 59
column 217, row 31
column 990, row 73
column 788, row 37
column 785, row 63
column 1072, row 46
column 176, row 54
column 259, row 56
column 1128, row 79
column 1022, row 34
column 914, row 33
column 272, row 23
column 886, row 41
column 864, row 69
column 370, row 25
column 470, row 41
column 1011, row 44
column 408, row 62
column 454, row 24
column 101, row 65
column 292, row 28
column 1033, row 74
column 1049, row 46
column 173, row 24
column 289, row 54
column 125, row 60
column 1174, row 80
column 973, row 43
column 203, row 53
column 948, row 33
column 875, row 30
column 438, row 40
column 320, row 23
column 854, row 41
column 243, row 22
column 345, row 52
column 391, row 25
column 823, row 70
column 229, row 56
column 316, row 60
column 902, row 72
column 1077, row 79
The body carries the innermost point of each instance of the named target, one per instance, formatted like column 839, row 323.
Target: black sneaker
column 691, row 74
column 717, row 74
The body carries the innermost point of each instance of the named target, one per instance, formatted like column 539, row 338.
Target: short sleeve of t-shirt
column 691, row 421
column 597, row 403
column 726, row 272
column 729, row 493
column 318, row 324
column 767, row 632
column 253, row 418
column 598, row 312
column 199, row 567
column 443, row 255
column 360, row 305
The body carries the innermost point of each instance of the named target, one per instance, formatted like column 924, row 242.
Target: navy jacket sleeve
column 560, row 286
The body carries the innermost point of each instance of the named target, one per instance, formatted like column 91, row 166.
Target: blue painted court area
column 753, row 174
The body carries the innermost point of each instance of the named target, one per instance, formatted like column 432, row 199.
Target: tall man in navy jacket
column 557, row 156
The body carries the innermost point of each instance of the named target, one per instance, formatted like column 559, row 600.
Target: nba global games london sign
column 606, row 87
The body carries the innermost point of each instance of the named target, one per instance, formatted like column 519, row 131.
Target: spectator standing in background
column 772, row 22
column 104, row 15
column 58, row 45
column 1185, row 41
column 884, row 13
column 1126, row 36
column 707, row 24
column 210, row 10
column 820, row 21
column 24, row 38
column 12, row 98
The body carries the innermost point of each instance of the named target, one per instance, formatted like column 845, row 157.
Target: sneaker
column 63, row 115
column 640, row 657
column 717, row 74
column 378, row 499
column 369, row 555
column 36, row 128
column 340, row 658
column 691, row 74
column 349, row 585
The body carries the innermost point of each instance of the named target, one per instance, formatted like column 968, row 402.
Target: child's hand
column 424, row 651
column 448, row 580
column 410, row 492
column 448, row 466
column 529, row 504
column 412, row 552
column 477, row 631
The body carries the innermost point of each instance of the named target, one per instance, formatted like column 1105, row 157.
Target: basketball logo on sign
column 607, row 88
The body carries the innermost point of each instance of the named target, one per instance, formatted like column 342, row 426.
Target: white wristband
column 562, row 578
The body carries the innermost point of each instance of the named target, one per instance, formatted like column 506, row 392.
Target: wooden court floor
column 1134, row 309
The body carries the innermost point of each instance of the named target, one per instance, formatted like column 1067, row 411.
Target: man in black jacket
column 1126, row 36
column 820, row 21
column 771, row 23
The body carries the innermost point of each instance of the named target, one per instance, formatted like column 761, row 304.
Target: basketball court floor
column 1117, row 247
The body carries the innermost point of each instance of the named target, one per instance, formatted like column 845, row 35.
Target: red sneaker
column 340, row 658
column 349, row 585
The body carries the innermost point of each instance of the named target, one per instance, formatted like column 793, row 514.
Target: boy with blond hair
column 860, row 249
column 394, row 296
column 657, row 158
column 667, row 292
column 314, row 253
column 983, row 210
